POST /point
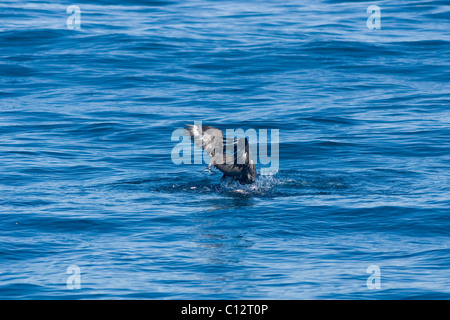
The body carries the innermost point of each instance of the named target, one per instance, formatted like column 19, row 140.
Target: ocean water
column 87, row 180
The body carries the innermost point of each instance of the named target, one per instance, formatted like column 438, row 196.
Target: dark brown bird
column 231, row 156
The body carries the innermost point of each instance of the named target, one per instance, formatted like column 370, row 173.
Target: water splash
column 263, row 186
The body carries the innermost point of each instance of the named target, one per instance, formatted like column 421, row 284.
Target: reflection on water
column 223, row 244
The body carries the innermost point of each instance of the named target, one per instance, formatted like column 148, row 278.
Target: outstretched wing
column 238, row 151
column 239, row 164
column 208, row 138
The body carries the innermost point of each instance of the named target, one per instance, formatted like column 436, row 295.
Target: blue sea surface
column 87, row 178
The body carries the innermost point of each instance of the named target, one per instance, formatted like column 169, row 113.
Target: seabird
column 237, row 164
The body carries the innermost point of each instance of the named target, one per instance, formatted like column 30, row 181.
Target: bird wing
column 238, row 151
column 208, row 138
